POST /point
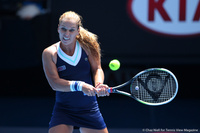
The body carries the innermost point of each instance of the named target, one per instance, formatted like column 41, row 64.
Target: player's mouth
column 65, row 38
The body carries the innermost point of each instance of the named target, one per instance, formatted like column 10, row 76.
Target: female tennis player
column 73, row 69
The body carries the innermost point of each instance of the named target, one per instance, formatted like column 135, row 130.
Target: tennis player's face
column 68, row 30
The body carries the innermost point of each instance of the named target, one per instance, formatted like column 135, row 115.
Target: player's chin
column 65, row 42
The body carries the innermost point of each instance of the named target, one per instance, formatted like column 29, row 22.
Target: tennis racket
column 154, row 86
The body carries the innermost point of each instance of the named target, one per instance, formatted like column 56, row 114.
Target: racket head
column 154, row 86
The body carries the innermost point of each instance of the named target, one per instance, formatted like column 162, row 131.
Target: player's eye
column 71, row 30
column 63, row 29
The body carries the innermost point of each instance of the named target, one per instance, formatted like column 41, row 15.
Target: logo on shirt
column 86, row 59
column 61, row 68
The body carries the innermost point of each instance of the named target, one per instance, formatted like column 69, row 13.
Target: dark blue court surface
column 45, row 130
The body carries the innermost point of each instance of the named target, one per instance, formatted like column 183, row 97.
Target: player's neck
column 68, row 49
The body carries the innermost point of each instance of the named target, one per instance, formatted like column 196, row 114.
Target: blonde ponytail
column 89, row 41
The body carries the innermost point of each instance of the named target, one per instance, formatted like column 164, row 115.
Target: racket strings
column 154, row 87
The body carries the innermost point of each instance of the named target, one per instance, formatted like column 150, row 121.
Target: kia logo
column 168, row 17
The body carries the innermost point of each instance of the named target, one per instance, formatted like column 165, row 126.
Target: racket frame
column 115, row 89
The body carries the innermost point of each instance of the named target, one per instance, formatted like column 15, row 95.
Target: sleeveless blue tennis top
column 75, row 108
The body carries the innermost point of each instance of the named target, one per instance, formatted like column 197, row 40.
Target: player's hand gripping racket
column 155, row 86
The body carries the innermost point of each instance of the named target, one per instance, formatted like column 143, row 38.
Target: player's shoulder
column 52, row 49
column 50, row 53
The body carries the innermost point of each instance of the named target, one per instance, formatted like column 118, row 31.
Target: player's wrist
column 98, row 84
column 76, row 86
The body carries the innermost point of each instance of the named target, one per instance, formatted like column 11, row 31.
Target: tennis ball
column 114, row 64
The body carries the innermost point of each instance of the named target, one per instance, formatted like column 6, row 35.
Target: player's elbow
column 53, row 85
column 53, row 88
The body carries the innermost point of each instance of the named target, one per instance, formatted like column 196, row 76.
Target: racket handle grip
column 110, row 90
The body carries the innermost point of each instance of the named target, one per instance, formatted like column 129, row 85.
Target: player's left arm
column 98, row 75
column 97, row 71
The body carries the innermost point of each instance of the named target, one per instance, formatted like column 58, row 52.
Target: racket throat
column 112, row 90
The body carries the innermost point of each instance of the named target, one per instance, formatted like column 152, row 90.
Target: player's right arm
column 49, row 66
column 49, row 58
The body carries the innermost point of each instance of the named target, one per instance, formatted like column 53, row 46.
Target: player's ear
column 79, row 29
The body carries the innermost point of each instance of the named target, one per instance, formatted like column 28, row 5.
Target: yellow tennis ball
column 114, row 64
